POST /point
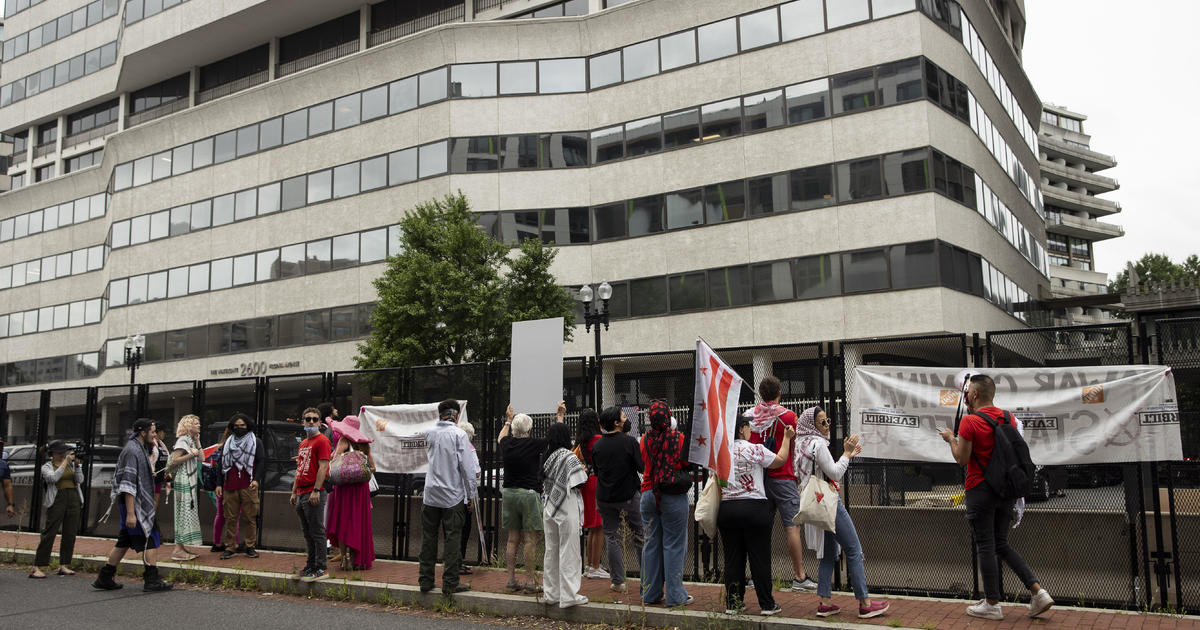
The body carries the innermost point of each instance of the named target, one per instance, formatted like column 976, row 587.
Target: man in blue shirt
column 452, row 478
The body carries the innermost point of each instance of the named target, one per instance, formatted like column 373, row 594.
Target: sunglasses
column 313, row 418
column 822, row 423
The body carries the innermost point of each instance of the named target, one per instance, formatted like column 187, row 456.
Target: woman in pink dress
column 349, row 518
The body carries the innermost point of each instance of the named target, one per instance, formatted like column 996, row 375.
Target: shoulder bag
column 350, row 467
column 818, row 500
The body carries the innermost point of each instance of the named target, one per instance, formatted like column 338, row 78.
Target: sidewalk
column 390, row 581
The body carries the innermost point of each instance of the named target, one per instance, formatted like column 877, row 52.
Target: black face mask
column 240, row 431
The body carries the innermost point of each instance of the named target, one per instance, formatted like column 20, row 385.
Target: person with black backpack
column 999, row 472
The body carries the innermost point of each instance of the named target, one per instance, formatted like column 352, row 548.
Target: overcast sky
column 1131, row 68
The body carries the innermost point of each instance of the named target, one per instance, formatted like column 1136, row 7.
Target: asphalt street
column 71, row 602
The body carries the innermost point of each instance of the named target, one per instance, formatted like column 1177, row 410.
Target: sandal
column 37, row 574
column 65, row 571
column 187, row 558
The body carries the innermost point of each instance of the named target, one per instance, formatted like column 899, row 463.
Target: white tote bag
column 708, row 505
column 818, row 501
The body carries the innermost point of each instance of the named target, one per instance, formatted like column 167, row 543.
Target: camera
column 80, row 452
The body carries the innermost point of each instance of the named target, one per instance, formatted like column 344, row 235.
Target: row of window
column 138, row 10
column 167, row 91
column 93, row 117
column 983, row 127
column 12, row 7
column 58, row 74
column 47, row 318
column 53, row 266
column 891, row 268
column 340, row 323
column 1070, row 124
column 789, row 21
column 1006, row 223
column 54, row 217
column 280, row 263
column 89, row 15
column 83, row 160
column 983, row 59
column 570, row 8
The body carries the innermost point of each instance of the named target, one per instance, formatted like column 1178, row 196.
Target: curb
column 498, row 604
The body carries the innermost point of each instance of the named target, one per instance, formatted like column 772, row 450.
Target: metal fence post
column 35, row 504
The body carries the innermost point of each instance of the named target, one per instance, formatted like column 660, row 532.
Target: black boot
column 105, row 581
column 153, row 583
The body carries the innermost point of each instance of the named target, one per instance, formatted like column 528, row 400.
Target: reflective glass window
column 267, row 265
column 181, row 159
column 374, row 103
column 198, row 278
column 474, row 154
column 162, row 165
column 685, row 209
column 728, row 287
column 556, row 76
column 137, row 289
column 243, row 269
column 647, row 296
column 721, row 120
column 201, row 215
column 473, row 80
column 373, row 246
column 913, row 265
column 520, row 77
column 345, row 180
column 402, row 95
column 295, row 126
column 677, row 50
column 120, row 234
column 177, row 285
column 681, row 128
column 156, row 286
column 118, row 292
column 320, row 118
column 565, row 225
column 347, row 111
column 245, row 205
column 817, row 276
column 759, row 29
column 247, row 140
column 725, row 202
column 764, row 111
column 865, row 271
column 564, row 150
column 772, row 282
column 607, row 145
column 843, row 12
column 317, row 256
column 608, row 221
column 900, row 81
column 859, row 179
column 223, row 207
column 291, row 261
column 767, row 195
column 202, row 153
column 268, row 198
column 395, row 240
column 688, row 291
column 225, row 147
column 402, row 167
column 717, row 40
column 605, row 69
column 270, row 133
column 812, row 187
column 905, row 172
column 374, row 173
column 433, row 86
column 643, row 136
column 521, row 152
column 516, row 227
column 432, row 159
column 854, row 90
column 141, row 170
column 320, row 186
column 640, row 60
column 139, row 229
column 345, row 251
column 123, row 176
column 645, row 215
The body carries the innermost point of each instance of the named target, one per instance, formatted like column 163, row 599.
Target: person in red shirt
column 987, row 512
column 769, row 421
column 312, row 464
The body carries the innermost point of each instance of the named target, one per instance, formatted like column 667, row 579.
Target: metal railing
column 456, row 13
column 42, row 150
column 317, row 58
column 154, row 113
column 19, row 157
column 89, row 135
column 236, row 85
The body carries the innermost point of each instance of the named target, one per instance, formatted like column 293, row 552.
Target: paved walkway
column 905, row 612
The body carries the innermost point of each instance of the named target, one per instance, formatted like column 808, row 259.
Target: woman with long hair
column 563, row 508
column 184, row 480
column 812, row 445
column 664, row 512
column 586, row 435
column 63, row 500
column 348, row 525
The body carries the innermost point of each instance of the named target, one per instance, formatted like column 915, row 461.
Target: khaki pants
column 244, row 503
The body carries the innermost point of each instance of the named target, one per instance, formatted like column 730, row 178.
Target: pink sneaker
column 828, row 610
column 874, row 609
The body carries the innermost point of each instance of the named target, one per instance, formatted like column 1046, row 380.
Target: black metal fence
column 1122, row 536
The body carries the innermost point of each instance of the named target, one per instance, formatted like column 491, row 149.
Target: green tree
column 446, row 297
column 1157, row 268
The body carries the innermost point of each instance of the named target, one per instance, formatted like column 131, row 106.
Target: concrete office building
column 756, row 172
column 1070, row 185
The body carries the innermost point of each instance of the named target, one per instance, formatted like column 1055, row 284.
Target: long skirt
column 187, row 512
column 349, row 522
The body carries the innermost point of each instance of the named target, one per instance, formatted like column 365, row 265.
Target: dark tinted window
column 853, row 90
column 725, row 202
column 647, row 296
column 900, row 81
column 812, row 187
column 808, row 101
column 859, row 179
column 684, row 209
column 643, row 136
column 766, row 195
column 913, row 265
column 728, row 287
column 681, row 128
column 608, row 221
column 564, row 150
column 688, row 292
column 474, row 154
column 865, row 271
column 817, row 276
column 906, row 172
column 645, row 215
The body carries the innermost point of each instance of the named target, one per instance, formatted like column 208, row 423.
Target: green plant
column 384, row 598
column 929, row 625
column 340, row 592
column 893, row 623
column 444, row 604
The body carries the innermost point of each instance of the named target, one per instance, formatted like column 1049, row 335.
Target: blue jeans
column 665, row 548
column 848, row 539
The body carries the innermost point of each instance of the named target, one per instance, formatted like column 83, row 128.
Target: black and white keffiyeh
column 239, row 452
column 134, row 476
column 563, row 473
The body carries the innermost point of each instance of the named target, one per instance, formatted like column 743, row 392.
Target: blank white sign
column 537, row 365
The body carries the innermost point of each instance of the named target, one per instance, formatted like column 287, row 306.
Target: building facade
column 1071, row 183
column 757, row 173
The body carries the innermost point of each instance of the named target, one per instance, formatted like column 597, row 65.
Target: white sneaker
column 579, row 601
column 619, row 588
column 597, row 573
column 1040, row 603
column 984, row 610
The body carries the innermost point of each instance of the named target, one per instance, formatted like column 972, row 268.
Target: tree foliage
column 1156, row 269
column 452, row 293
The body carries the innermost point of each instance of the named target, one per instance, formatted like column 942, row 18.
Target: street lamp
column 594, row 318
column 133, row 354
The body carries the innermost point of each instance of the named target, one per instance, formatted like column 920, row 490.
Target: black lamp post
column 133, row 358
column 594, row 318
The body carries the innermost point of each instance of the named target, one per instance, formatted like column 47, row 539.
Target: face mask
column 311, row 431
column 240, row 431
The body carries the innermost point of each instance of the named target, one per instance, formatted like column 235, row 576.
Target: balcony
column 1096, row 184
column 42, row 150
column 1089, row 229
column 317, row 58
column 456, row 13
column 1094, row 160
column 154, row 113
column 237, row 85
column 89, row 135
column 19, row 157
column 1079, row 202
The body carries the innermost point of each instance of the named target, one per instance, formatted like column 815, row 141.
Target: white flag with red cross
column 714, row 413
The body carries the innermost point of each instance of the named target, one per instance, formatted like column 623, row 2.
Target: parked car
column 23, row 457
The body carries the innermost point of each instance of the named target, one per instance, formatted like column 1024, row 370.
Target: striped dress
column 187, row 515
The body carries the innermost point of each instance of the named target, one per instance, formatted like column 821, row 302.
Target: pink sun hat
column 348, row 427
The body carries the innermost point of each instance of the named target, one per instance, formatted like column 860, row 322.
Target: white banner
column 1072, row 415
column 399, row 434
